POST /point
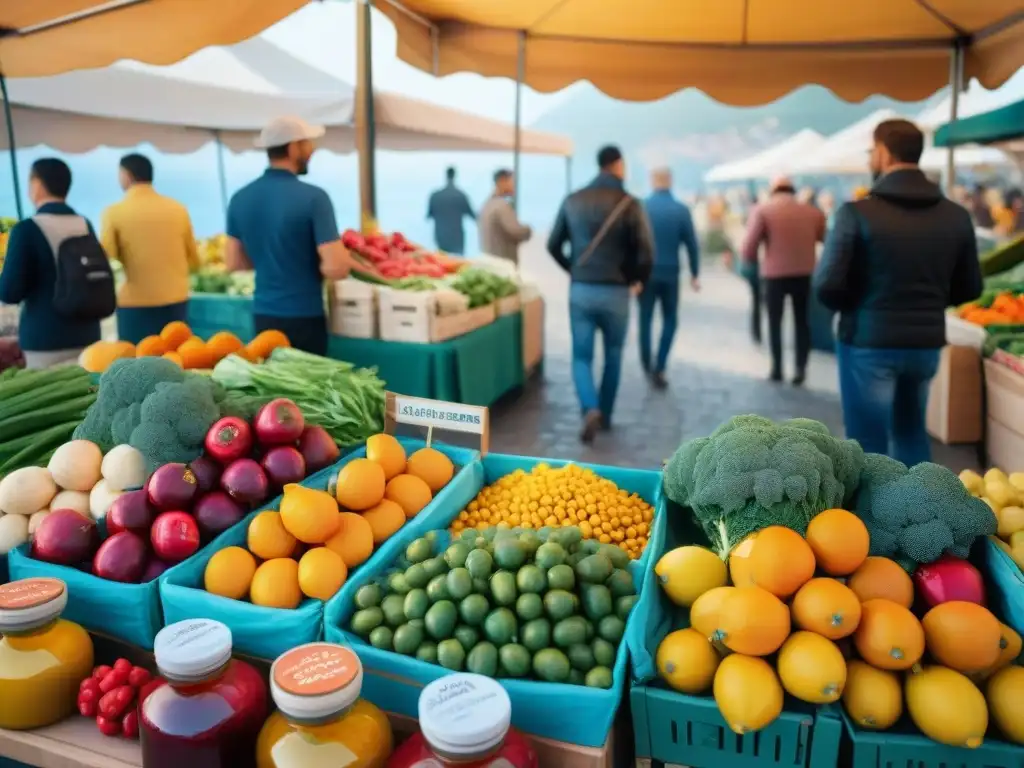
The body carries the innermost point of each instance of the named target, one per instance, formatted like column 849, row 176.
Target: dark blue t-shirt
column 280, row 221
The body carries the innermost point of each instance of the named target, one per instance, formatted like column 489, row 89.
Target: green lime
column 427, row 652
column 368, row 596
column 434, row 566
column 570, row 631
column 515, row 659
column 503, row 588
column 529, row 606
column 381, row 638
column 530, row 541
column 567, row 537
column 624, row 605
column 509, row 554
column 604, row 652
column 482, row 587
column 467, row 635
column 483, row 659
column 536, row 634
column 474, row 609
column 551, row 665
column 590, row 629
column 616, row 554
column 419, row 551
column 366, row 620
column 455, row 555
column 559, row 604
column 394, row 610
column 575, row 558
column 530, row 578
column 451, row 655
column 594, row 569
column 620, row 583
column 581, row 657
column 408, row 638
column 397, row 583
column 597, row 601
column 599, row 677
column 549, row 555
column 503, row 531
column 416, row 576
column 459, row 583
column 590, row 546
column 469, row 536
column 561, row 577
column 611, row 628
column 479, row 563
column 416, row 604
column 488, row 534
column 481, row 543
column 500, row 626
column 437, row 588
column 440, row 619
column 545, row 533
column 576, row 677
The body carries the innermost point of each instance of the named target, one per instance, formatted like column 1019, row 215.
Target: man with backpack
column 57, row 270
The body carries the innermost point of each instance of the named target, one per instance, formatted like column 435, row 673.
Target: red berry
column 130, row 725
column 108, row 727
column 123, row 664
column 90, row 684
column 101, row 671
column 114, row 679
column 87, row 707
column 138, row 677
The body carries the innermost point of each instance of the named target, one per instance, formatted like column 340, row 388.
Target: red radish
column 207, row 472
column 279, row 422
column 64, row 537
column 284, row 464
column 216, row 512
column 130, row 511
column 122, row 557
column 949, row 578
column 317, row 448
column 245, row 481
column 154, row 570
column 175, row 536
column 229, row 439
column 172, row 486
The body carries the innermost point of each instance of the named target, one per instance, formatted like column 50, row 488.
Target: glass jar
column 465, row 723
column 206, row 709
column 321, row 722
column 43, row 658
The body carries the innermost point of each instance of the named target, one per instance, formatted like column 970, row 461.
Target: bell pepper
column 947, row 579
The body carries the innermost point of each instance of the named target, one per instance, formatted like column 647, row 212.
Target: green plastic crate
column 671, row 727
column 903, row 746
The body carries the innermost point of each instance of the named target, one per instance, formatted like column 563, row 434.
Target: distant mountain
column 690, row 132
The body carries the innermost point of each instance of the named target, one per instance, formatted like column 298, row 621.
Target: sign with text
column 438, row 414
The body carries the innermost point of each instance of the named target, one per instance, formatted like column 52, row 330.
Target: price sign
column 438, row 414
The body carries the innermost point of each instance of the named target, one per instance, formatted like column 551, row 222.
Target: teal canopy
column 999, row 125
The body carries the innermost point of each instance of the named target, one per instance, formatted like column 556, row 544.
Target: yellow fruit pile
column 1005, row 495
column 563, row 496
column 840, row 626
column 310, row 545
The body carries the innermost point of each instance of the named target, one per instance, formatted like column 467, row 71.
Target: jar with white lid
column 206, row 709
column 321, row 721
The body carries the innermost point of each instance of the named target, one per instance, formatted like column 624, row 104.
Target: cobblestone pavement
column 715, row 372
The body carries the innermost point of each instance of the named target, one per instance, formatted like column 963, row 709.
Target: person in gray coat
column 500, row 230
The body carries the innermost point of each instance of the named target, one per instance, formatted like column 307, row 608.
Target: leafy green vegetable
column 483, row 287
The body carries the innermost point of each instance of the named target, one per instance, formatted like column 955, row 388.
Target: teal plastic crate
column 671, row 727
column 209, row 313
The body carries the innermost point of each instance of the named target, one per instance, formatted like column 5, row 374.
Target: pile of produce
column 217, row 279
column 39, row 410
column 211, row 250
column 1005, row 495
column 311, row 543
column 394, row 257
column 994, row 307
column 555, row 497
column 177, row 344
column 110, row 696
column 483, row 287
column 1003, row 257
column 6, row 223
column 504, row 602
column 346, row 401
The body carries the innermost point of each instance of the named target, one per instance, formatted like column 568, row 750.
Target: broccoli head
column 174, row 420
column 916, row 515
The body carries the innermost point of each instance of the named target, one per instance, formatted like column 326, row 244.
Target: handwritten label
column 29, row 593
column 315, row 669
column 455, row 417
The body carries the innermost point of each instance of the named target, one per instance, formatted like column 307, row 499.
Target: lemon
column 276, row 584
column 747, row 692
column 873, row 698
column 229, row 573
column 947, row 707
column 687, row 661
column 1011, row 520
column 267, row 537
column 973, row 482
column 388, row 452
column 321, row 573
column 686, row 573
column 309, row 515
column 432, row 467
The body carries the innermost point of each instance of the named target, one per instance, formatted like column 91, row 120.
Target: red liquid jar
column 207, row 709
column 465, row 723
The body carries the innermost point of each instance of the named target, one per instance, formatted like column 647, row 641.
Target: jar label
column 29, row 593
column 299, row 750
column 315, row 669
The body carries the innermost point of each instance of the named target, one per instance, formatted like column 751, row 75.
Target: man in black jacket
column 893, row 263
column 610, row 257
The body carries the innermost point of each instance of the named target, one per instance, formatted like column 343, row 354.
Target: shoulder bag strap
column 609, row 222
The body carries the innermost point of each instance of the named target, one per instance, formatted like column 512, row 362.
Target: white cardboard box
column 509, row 305
column 411, row 316
column 353, row 309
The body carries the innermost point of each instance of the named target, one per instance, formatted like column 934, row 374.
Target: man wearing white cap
column 285, row 230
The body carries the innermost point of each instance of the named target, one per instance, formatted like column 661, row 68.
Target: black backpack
column 84, row 289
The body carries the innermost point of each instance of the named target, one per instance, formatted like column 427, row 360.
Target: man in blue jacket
column 672, row 226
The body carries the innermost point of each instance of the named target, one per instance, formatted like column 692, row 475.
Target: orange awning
column 741, row 52
column 49, row 37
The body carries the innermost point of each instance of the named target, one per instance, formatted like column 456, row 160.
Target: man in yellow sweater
column 151, row 235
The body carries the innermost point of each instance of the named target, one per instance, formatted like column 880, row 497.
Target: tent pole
column 520, row 74
column 222, row 174
column 568, row 174
column 11, row 148
column 956, row 83
column 366, row 139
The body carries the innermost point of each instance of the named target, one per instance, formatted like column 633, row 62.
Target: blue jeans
column 594, row 307
column 884, row 394
column 666, row 293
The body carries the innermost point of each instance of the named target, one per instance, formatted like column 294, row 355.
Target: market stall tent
column 973, row 101
column 1002, row 128
column 769, row 162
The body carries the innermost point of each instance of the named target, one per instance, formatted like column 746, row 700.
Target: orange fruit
column 827, row 607
column 321, row 573
column 175, row 334
column 354, row 540
column 276, row 584
column 432, row 467
column 880, row 577
column 151, row 346
column 411, row 493
column 194, row 354
column 384, row 519
column 781, row 561
column 963, row 636
column 360, row 484
column 222, row 344
column 839, row 541
column 311, row 516
column 267, row 537
column 229, row 573
column 740, row 570
column 174, row 357
column 266, row 342
column 388, row 452
column 752, row 621
column 889, row 636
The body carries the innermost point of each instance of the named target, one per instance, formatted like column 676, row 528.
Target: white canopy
column 769, row 162
column 234, row 92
